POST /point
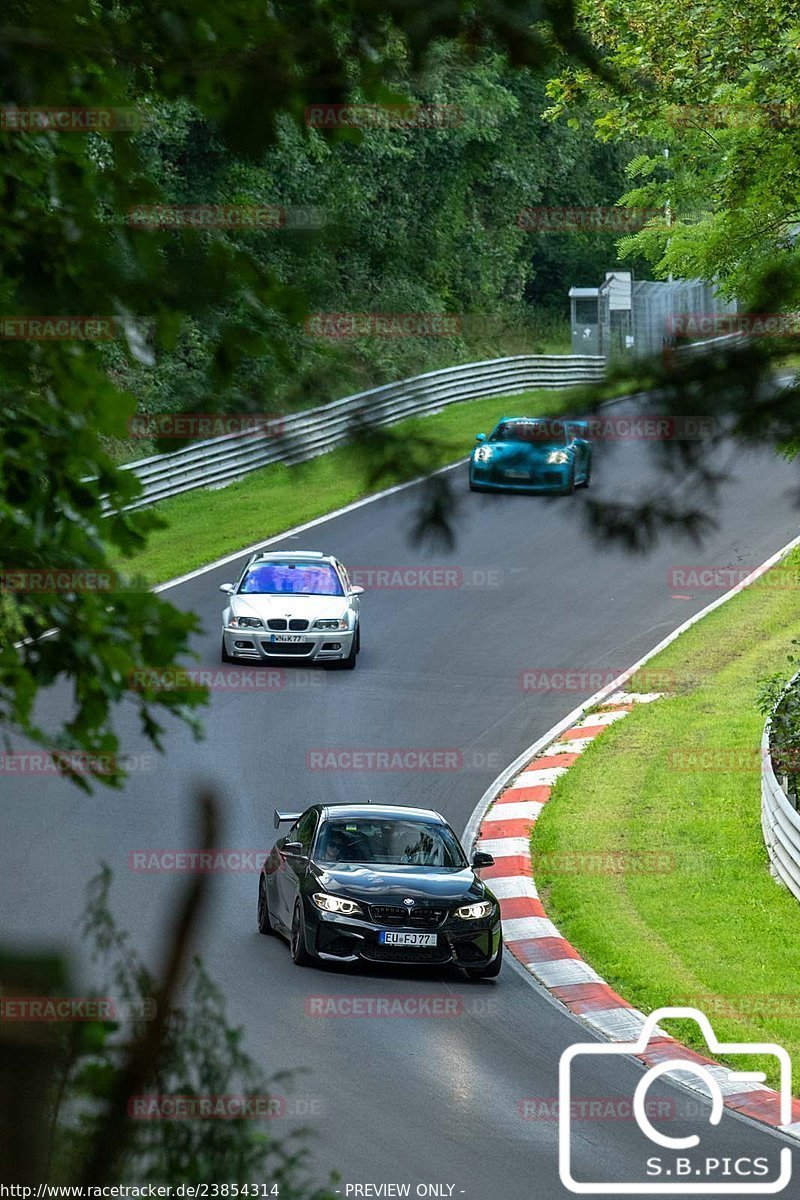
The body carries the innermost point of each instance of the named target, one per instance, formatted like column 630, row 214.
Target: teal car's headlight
column 330, row 623
column 472, row 912
column 246, row 623
column 483, row 454
column 336, row 904
column 559, row 457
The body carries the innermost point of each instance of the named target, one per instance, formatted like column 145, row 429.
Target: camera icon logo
column 698, row 1175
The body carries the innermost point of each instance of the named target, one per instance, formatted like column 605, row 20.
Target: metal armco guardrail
column 315, row 431
column 780, row 820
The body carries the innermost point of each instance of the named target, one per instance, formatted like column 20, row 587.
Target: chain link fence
column 645, row 328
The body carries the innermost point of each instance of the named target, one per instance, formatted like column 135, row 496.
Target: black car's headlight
column 331, row 623
column 246, row 623
column 337, row 904
column 472, row 912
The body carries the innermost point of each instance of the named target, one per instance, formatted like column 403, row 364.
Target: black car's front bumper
column 460, row 943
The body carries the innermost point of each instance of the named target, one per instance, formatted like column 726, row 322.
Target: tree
column 710, row 91
column 68, row 251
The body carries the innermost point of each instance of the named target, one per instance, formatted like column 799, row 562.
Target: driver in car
column 343, row 847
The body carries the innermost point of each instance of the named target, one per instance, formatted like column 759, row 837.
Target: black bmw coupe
column 383, row 885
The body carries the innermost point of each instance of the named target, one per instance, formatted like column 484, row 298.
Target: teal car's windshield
column 549, row 435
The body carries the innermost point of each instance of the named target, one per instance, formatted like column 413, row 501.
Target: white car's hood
column 288, row 607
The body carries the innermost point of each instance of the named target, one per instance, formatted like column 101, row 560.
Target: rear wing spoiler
column 281, row 817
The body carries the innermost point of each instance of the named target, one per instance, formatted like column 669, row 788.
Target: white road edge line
column 348, row 508
column 488, row 798
column 496, row 787
column 279, row 537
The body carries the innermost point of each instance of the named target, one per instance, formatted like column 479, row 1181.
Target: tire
column 223, row 654
column 569, row 490
column 490, row 972
column 346, row 664
column 265, row 925
column 297, row 942
column 585, row 483
column 358, row 638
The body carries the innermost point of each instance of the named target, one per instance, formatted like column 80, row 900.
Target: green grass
column 204, row 525
column 714, row 930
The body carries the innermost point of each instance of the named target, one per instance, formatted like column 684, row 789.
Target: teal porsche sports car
column 532, row 454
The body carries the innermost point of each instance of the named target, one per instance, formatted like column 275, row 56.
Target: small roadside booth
column 585, row 320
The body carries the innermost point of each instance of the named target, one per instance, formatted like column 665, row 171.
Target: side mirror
column 481, row 859
column 480, row 437
column 227, row 588
column 356, row 590
column 293, row 850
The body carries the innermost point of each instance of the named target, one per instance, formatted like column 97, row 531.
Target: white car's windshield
column 303, row 579
column 395, row 843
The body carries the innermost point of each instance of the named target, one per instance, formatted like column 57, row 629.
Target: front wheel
column 349, row 663
column 569, row 490
column 490, row 972
column 588, row 477
column 297, row 942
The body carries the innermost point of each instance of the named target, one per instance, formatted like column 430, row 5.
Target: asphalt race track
column 416, row 1100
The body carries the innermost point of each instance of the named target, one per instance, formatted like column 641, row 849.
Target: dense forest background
column 386, row 220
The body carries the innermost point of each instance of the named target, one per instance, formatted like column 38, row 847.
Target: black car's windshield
column 550, row 435
column 298, row 579
column 383, row 841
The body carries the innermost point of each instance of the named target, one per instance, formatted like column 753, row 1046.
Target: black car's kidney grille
column 298, row 626
column 394, row 914
column 276, row 624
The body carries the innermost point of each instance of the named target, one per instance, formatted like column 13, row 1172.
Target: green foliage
column 200, row 1056
column 715, row 84
column 409, row 221
column 778, row 698
column 210, row 319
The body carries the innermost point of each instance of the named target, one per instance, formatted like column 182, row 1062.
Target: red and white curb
column 534, row 940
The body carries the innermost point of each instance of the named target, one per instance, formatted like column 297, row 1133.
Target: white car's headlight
column 558, row 456
column 246, row 623
column 471, row 912
column 330, row 623
column 483, row 454
column 336, row 904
